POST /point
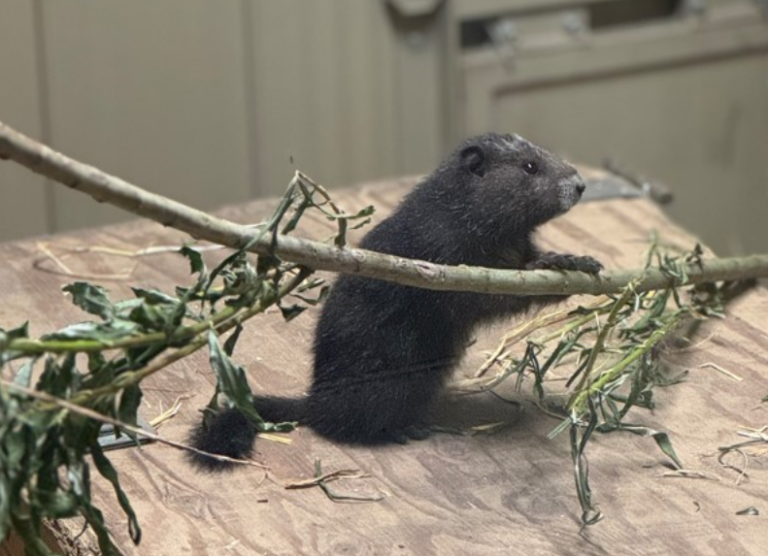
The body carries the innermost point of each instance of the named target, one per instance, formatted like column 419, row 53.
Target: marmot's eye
column 530, row 168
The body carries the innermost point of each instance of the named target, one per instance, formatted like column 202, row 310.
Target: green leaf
column 590, row 514
column 59, row 377
column 95, row 519
column 7, row 336
column 140, row 356
column 5, row 510
column 297, row 214
column 229, row 345
column 665, row 444
column 195, row 258
column 321, row 296
column 59, row 505
column 117, row 329
column 130, row 400
column 229, row 264
column 231, row 380
column 91, row 299
column 155, row 297
column 124, row 307
column 661, row 438
column 78, row 475
column 96, row 361
column 107, row 471
column 751, row 510
column 154, row 318
column 15, row 443
column 16, row 333
column 360, row 224
column 24, row 375
column 158, row 311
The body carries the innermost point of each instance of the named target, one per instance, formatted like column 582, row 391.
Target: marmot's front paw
column 560, row 261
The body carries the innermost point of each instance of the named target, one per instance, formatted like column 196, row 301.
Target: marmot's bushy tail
column 231, row 434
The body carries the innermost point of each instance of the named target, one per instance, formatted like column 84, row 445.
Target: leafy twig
column 322, row 479
column 616, row 360
column 48, row 431
column 52, row 401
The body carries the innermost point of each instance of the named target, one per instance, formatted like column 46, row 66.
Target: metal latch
column 643, row 186
column 504, row 35
column 415, row 8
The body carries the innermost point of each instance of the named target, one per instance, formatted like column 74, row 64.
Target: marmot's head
column 511, row 184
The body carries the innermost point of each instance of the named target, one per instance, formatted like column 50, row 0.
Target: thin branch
column 89, row 413
column 319, row 256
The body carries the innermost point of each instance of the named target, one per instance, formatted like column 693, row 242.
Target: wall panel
column 323, row 82
column 22, row 194
column 153, row 92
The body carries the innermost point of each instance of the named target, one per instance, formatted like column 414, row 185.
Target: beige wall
column 24, row 199
column 210, row 102
column 683, row 100
column 218, row 102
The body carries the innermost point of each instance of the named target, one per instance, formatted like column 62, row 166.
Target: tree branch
column 319, row 256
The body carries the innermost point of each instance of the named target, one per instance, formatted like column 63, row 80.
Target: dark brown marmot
column 383, row 351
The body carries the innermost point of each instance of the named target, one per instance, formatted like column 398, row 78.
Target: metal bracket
column 109, row 440
column 504, row 33
column 642, row 186
column 415, row 8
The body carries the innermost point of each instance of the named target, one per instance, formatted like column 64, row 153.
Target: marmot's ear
column 473, row 159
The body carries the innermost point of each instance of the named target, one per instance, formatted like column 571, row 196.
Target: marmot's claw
column 588, row 264
column 560, row 261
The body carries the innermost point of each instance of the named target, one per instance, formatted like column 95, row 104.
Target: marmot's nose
column 580, row 187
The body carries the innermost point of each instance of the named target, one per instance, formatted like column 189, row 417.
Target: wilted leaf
column 101, row 332
column 59, row 376
column 196, row 264
column 109, row 473
column 155, row 297
column 231, row 379
column 661, row 438
column 43, row 446
column 91, row 299
column 24, row 375
column 749, row 511
column 229, row 345
column 130, row 400
column 15, row 333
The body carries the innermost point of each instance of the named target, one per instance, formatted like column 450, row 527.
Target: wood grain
column 508, row 493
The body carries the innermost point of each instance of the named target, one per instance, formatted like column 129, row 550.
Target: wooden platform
column 509, row 493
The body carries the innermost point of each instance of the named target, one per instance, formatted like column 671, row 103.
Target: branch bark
column 104, row 187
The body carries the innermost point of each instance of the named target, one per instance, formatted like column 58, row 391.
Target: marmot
column 382, row 351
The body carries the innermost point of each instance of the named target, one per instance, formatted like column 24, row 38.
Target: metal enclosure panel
column 209, row 102
column 151, row 91
column 422, row 77
column 339, row 92
column 686, row 102
column 23, row 207
column 465, row 9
